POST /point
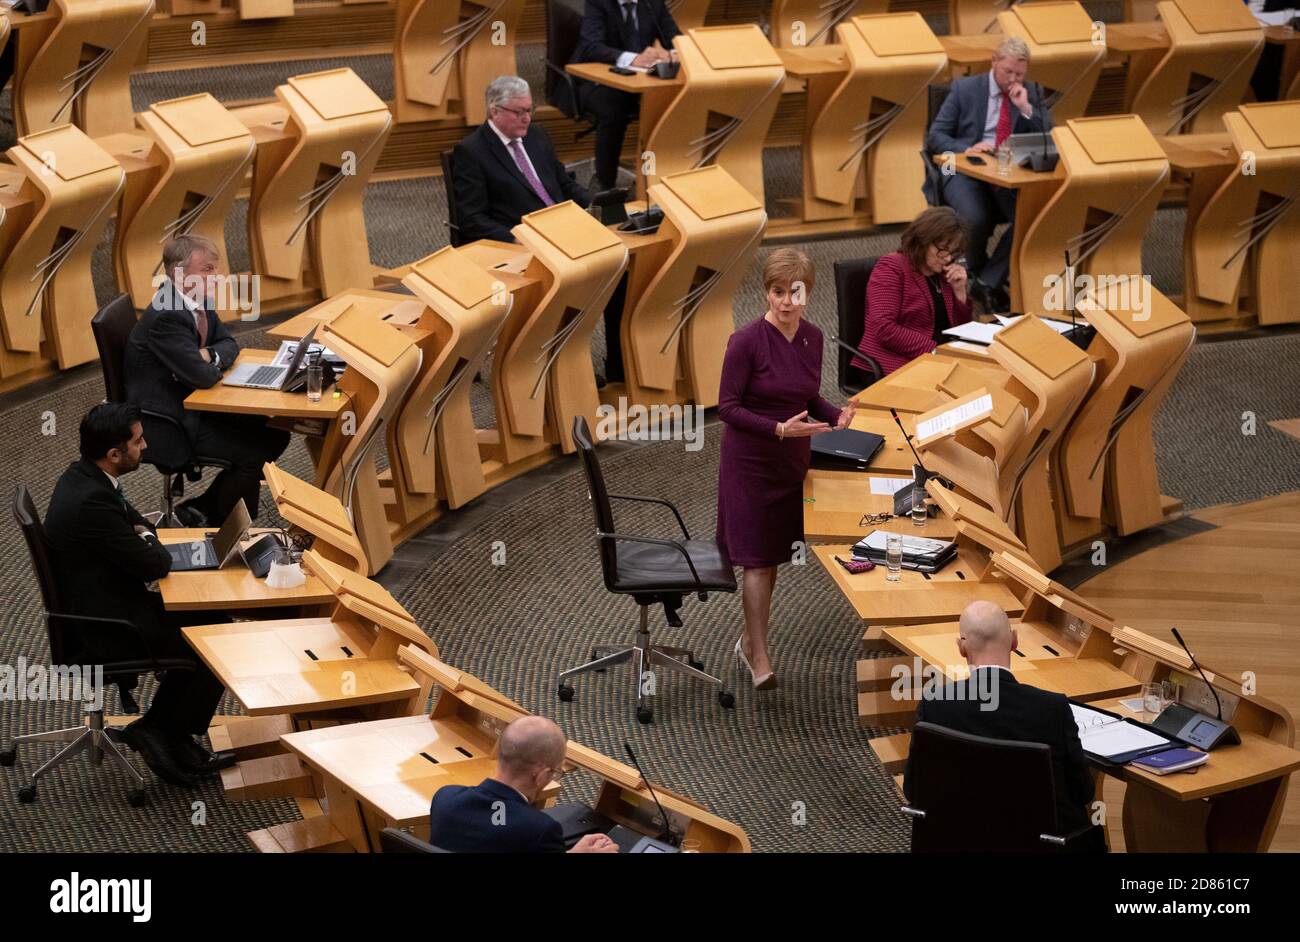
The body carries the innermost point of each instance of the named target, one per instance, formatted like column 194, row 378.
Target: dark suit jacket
column 603, row 37
column 492, row 193
column 163, row 366
column 960, row 121
column 461, row 820
column 100, row 564
column 1023, row 714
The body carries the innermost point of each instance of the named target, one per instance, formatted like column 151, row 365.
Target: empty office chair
column 449, row 186
column 169, row 449
column 976, row 795
column 654, row 572
column 396, row 841
column 851, row 277
column 933, row 186
column 65, row 632
column 563, row 29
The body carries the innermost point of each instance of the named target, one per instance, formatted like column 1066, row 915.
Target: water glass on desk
column 919, row 513
column 1004, row 160
column 315, row 379
column 894, row 557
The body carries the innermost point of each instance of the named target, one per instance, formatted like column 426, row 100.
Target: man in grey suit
column 979, row 113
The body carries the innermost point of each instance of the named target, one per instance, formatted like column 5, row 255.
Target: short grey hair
column 1013, row 47
column 177, row 252
column 530, row 743
column 503, row 88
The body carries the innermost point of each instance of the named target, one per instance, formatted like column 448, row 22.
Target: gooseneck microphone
column 908, row 438
column 667, row 833
column 1218, row 704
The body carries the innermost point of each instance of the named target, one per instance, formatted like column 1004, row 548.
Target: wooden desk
column 1192, row 152
column 231, row 588
column 835, row 501
column 1131, row 38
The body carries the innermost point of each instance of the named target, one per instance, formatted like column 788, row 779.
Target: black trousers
column 614, row 111
column 613, row 332
column 247, row 442
column 983, row 206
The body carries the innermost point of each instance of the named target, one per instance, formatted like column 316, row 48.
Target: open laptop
column 215, row 552
column 266, row 376
column 1034, row 146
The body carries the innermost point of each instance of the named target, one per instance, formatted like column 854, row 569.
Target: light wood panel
column 1063, row 57
column 799, row 24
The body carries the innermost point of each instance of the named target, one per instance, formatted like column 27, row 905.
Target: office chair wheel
column 726, row 699
column 645, row 715
column 698, row 665
column 27, row 794
column 565, row 692
column 8, row 757
column 135, row 798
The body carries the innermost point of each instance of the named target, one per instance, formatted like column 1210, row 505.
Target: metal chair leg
column 671, row 663
column 63, row 755
column 600, row 663
column 70, row 734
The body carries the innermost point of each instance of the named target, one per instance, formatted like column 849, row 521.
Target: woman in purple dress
column 769, row 401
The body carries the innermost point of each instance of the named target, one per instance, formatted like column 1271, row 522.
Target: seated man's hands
column 206, row 354
column 594, row 844
column 983, row 147
column 1018, row 95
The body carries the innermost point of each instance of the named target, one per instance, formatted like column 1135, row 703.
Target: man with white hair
column 498, row 816
column 507, row 168
column 993, row 704
column 980, row 112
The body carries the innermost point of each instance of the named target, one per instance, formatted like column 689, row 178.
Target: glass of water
column 1004, row 160
column 919, row 515
column 894, row 556
column 1152, row 701
column 315, row 378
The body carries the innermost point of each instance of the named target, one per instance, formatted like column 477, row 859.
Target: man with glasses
column 498, row 816
column 507, row 168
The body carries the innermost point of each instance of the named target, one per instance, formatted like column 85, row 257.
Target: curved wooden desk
column 320, row 514
column 1065, row 59
column 799, row 24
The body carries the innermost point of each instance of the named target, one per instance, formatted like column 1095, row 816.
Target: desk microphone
column 667, row 833
column 1042, row 126
column 1218, row 705
column 908, row 438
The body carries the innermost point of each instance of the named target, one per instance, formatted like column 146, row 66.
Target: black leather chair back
column 449, row 185
column 563, row 29
column 112, row 326
column 29, row 522
column 851, row 277
column 600, row 506
column 979, row 795
column 936, row 96
column 394, row 841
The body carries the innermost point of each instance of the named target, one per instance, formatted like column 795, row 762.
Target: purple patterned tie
column 521, row 161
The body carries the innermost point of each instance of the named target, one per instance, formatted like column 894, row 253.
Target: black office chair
column 395, row 841
column 449, row 185
column 937, row 95
column 563, row 33
column 851, row 277
column 654, row 572
column 64, row 632
column 170, row 450
column 971, row 794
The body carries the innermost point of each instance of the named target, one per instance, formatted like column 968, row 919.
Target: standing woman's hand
column 846, row 415
column 800, row 427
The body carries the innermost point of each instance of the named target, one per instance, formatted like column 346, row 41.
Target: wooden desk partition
column 675, row 336
column 1065, row 59
column 732, row 81
column 204, row 151
column 80, row 73
column 1213, row 48
column 1243, row 231
column 688, row 14
column 866, row 122
column 319, row 513
column 45, row 278
column 308, row 186
column 445, row 53
column 801, row 23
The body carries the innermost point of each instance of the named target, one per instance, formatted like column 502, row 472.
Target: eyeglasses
column 946, row 254
column 870, row 520
column 520, row 113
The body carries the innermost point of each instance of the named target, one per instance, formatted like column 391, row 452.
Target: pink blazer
column 900, row 318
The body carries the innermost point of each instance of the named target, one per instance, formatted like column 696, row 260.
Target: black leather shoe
column 198, row 761
column 155, row 747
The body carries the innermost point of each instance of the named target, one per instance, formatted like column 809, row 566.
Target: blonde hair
column 787, row 266
column 1013, row 47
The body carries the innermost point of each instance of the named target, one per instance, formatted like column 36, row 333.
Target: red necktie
column 1004, row 122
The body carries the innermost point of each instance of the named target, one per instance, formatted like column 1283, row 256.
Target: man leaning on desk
column 1020, row 712
column 104, row 554
column 180, row 345
column 497, row 816
column 980, row 112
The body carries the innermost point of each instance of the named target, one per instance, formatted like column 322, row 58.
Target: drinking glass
column 315, row 377
column 1004, row 160
column 1152, row 701
column 894, row 557
column 919, row 516
column 690, row 846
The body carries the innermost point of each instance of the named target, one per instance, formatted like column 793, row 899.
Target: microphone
column 1042, row 126
column 1069, row 293
column 899, row 422
column 667, row 833
column 1218, row 704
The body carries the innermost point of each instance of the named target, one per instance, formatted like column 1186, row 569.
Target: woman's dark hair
column 105, row 427
column 938, row 226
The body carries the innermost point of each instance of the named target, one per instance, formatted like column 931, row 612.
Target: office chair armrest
column 876, row 371
column 646, row 539
column 656, row 500
column 911, row 812
column 1057, row 840
column 148, row 663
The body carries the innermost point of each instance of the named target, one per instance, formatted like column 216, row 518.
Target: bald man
column 498, row 816
column 995, row 705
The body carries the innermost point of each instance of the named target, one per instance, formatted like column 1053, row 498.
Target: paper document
column 912, row 545
column 974, row 331
column 1110, row 736
column 888, row 487
column 947, row 420
column 1061, row 327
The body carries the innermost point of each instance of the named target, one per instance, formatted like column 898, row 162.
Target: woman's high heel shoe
column 762, row 682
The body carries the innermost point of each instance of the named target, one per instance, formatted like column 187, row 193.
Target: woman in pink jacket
column 916, row 293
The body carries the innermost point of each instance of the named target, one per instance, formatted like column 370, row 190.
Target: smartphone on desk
column 619, row 70
column 978, row 161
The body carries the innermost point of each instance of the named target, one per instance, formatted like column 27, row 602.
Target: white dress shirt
column 625, row 58
column 995, row 110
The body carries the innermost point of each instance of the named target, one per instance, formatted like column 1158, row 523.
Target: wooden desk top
column 1281, row 35
column 1130, row 38
column 834, row 502
column 915, row 598
column 1229, row 768
column 971, row 49
column 232, row 587
column 385, row 304
column 1198, row 151
column 600, row 73
column 827, row 59
column 269, row 402
column 1016, row 178
column 914, row 387
column 297, row 665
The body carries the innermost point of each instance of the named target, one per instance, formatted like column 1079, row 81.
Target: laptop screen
column 232, row 531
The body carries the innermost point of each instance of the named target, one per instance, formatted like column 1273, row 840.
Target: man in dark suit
column 507, row 168
column 999, row 707
column 621, row 33
column 180, row 345
column 980, row 112
column 104, row 553
column 498, row 816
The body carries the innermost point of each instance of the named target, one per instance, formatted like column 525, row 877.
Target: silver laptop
column 1024, row 146
column 265, row 376
column 215, row 552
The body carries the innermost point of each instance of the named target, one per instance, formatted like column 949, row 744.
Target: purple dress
column 766, row 379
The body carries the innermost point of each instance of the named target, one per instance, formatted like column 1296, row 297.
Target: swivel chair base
column 644, row 657
column 96, row 740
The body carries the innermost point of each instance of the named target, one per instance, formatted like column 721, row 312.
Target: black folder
column 844, row 450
